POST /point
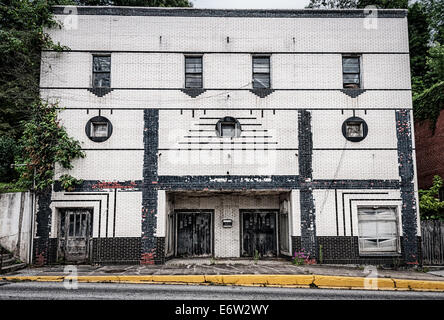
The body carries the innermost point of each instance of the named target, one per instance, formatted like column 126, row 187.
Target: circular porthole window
column 354, row 129
column 98, row 129
column 228, row 127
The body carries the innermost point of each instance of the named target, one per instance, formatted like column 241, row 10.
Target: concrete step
column 12, row 267
column 5, row 256
column 9, row 261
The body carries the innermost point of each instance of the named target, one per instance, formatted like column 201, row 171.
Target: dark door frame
column 89, row 232
column 210, row 211
column 241, row 227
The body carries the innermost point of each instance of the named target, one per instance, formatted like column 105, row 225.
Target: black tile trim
column 224, row 52
column 100, row 92
column 407, row 172
column 193, row 92
column 227, row 13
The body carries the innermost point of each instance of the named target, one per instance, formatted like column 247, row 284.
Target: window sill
column 380, row 254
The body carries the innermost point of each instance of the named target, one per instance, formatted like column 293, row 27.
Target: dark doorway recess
column 75, row 234
column 258, row 230
column 194, row 233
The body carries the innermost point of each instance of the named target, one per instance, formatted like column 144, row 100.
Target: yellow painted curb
column 274, row 280
column 353, row 282
column 419, row 285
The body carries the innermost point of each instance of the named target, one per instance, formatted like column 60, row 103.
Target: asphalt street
column 116, row 291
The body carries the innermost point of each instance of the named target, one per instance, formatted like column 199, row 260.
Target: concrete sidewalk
column 276, row 272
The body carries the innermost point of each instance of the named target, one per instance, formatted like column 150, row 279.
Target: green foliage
column 8, row 150
column 22, row 37
column 68, row 182
column 429, row 205
column 428, row 104
column 435, row 63
column 45, row 142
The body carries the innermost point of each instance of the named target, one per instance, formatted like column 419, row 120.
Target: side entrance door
column 259, row 229
column 194, row 233
column 75, row 234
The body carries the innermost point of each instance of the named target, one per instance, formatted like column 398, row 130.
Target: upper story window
column 101, row 71
column 261, row 72
column 351, row 72
column 193, row 72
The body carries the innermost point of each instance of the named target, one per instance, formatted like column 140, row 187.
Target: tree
column 45, row 142
column 22, row 38
column 419, row 38
column 429, row 205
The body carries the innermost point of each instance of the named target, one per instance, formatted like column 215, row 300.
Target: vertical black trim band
column 308, row 215
column 149, row 253
column 406, row 173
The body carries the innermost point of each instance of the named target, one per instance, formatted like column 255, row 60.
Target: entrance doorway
column 259, row 229
column 75, row 234
column 194, row 233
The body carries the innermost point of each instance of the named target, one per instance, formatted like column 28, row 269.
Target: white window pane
column 193, row 65
column 228, row 129
column 261, row 65
column 99, row 129
column 388, row 245
column 368, row 229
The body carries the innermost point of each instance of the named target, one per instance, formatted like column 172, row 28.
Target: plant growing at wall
column 301, row 258
column 45, row 142
column 429, row 205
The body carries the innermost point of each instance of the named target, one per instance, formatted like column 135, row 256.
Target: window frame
column 101, row 120
column 93, row 78
column 254, row 56
column 348, row 56
column 187, row 73
column 395, row 219
column 231, row 120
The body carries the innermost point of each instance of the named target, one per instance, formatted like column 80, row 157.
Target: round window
column 354, row 129
column 98, row 129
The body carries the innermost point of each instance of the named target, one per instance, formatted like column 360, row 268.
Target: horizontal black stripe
column 245, row 109
column 224, row 52
column 217, row 89
column 228, row 13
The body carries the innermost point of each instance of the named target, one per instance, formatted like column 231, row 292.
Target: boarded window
column 354, row 129
column 101, row 71
column 193, row 72
column 261, row 72
column 99, row 129
column 228, row 127
column 351, row 73
column 378, row 232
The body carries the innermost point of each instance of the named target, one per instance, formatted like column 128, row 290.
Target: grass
column 10, row 187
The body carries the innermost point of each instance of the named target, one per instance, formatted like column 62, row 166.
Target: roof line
column 235, row 13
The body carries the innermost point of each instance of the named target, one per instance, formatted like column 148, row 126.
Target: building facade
column 232, row 133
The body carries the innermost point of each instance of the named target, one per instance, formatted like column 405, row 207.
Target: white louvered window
column 261, row 72
column 378, row 230
column 351, row 72
column 193, row 72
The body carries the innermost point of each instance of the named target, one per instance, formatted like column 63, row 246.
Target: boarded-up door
column 194, row 233
column 259, row 232
column 75, row 233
